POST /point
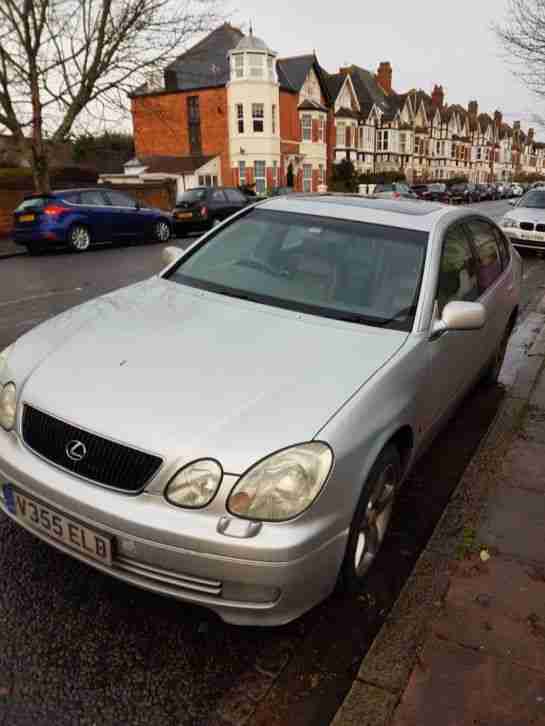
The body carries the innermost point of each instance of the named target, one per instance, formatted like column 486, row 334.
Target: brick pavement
column 483, row 660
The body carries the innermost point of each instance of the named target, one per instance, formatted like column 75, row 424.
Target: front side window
column 93, row 198
column 488, row 254
column 257, row 117
column 240, row 118
column 260, row 181
column 118, row 199
column 358, row 272
column 458, row 269
column 306, row 127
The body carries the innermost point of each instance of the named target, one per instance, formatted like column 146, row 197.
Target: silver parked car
column 525, row 223
column 396, row 190
column 232, row 432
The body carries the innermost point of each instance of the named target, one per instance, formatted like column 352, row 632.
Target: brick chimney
column 498, row 119
column 473, row 108
column 438, row 97
column 384, row 77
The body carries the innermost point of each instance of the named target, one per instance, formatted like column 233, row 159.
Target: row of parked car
column 466, row 192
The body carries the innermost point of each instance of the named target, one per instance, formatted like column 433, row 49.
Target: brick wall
column 289, row 116
column 161, row 128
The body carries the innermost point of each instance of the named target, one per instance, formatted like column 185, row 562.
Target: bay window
column 306, row 127
column 257, row 117
column 260, row 180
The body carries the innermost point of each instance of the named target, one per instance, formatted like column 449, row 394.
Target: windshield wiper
column 404, row 311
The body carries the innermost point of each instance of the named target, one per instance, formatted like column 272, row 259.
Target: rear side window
column 93, row 198
column 218, row 196
column 457, row 273
column 118, row 199
column 234, row 196
column 488, row 254
column 71, row 197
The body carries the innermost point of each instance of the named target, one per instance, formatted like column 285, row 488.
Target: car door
column 219, row 206
column 496, row 285
column 127, row 220
column 97, row 212
column 454, row 357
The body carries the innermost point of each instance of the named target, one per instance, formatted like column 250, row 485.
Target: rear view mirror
column 460, row 315
column 171, row 254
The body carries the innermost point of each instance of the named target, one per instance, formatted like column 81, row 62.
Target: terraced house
column 230, row 111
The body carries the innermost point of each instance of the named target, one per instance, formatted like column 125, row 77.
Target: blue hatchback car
column 78, row 218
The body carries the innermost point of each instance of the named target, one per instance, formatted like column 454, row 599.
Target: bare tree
column 522, row 37
column 62, row 61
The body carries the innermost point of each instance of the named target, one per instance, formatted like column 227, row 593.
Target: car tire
column 371, row 519
column 161, row 231
column 79, row 238
column 492, row 371
column 34, row 248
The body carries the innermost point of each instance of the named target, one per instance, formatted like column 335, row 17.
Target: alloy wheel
column 80, row 239
column 374, row 523
column 162, row 232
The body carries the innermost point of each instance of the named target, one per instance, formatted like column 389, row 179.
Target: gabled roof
column 206, row 64
column 292, row 73
column 310, row 104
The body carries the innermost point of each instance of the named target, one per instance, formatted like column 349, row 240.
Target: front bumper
column 523, row 238
column 243, row 583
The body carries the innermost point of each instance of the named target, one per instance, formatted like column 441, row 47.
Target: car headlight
column 4, row 355
column 509, row 222
column 195, row 485
column 8, row 406
column 283, row 485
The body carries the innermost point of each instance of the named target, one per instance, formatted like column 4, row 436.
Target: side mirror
column 171, row 255
column 460, row 315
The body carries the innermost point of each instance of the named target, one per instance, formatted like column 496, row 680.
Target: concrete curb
column 385, row 670
column 9, row 255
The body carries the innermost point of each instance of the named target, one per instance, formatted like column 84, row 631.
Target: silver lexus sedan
column 525, row 223
column 232, row 432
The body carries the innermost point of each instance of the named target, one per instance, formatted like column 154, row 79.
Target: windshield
column 192, row 195
column 362, row 273
column 534, row 200
column 33, row 203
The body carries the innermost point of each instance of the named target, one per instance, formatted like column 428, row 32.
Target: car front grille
column 528, row 226
column 105, row 462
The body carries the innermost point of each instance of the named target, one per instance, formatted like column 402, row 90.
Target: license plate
column 27, row 218
column 64, row 529
column 184, row 215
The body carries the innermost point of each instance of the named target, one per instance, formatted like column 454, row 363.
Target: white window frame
column 275, row 174
column 383, row 140
column 256, row 65
column 260, row 180
column 321, row 130
column 258, row 117
column 340, row 131
column 242, row 172
column 321, row 177
column 240, row 117
column 273, row 118
column 239, row 65
column 306, row 127
column 307, row 178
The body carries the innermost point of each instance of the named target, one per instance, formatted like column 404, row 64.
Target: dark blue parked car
column 78, row 218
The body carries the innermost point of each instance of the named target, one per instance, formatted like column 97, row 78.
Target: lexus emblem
column 75, row 451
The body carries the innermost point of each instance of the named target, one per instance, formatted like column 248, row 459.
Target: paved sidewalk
column 8, row 248
column 483, row 660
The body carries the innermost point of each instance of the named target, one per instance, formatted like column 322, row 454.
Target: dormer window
column 256, row 65
column 239, row 66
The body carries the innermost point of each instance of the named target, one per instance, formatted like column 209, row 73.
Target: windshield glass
column 192, row 195
column 363, row 273
column 534, row 200
column 33, row 203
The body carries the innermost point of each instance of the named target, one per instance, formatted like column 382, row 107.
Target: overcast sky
column 449, row 43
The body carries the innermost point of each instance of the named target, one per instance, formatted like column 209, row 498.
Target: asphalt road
column 77, row 647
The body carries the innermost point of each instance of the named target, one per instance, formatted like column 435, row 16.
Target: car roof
column 406, row 214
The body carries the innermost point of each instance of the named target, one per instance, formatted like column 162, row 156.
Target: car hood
column 527, row 214
column 186, row 373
